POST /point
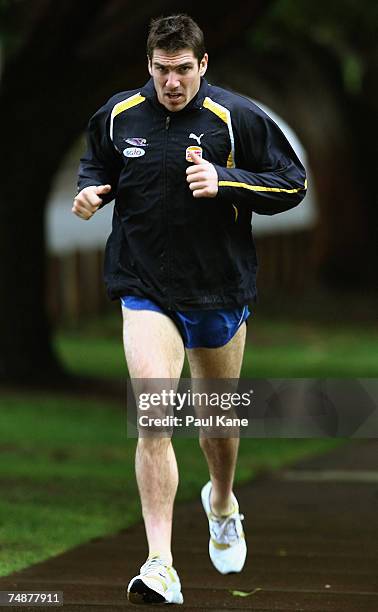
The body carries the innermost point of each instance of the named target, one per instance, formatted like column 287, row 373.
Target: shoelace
column 153, row 564
column 226, row 530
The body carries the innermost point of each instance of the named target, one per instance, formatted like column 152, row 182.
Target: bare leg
column 157, row 477
column 154, row 349
column 220, row 453
column 221, row 456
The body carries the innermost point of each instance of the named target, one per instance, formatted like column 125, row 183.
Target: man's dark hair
column 174, row 33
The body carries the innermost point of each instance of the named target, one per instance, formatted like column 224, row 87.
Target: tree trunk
column 26, row 353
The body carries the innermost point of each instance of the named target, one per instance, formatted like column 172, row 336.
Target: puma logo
column 197, row 138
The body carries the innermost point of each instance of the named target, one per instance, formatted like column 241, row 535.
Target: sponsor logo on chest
column 193, row 149
column 133, row 152
column 136, row 142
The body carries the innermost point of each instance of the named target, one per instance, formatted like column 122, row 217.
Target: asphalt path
column 312, row 538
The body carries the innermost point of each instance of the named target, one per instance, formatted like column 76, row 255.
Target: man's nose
column 172, row 80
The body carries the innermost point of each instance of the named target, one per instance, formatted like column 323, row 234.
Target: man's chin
column 174, row 105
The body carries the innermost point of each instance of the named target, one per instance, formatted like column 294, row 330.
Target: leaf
column 244, row 593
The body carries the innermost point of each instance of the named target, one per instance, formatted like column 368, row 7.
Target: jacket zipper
column 167, row 217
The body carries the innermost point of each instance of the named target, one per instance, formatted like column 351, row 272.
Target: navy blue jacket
column 180, row 251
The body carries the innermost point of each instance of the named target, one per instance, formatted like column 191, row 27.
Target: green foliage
column 347, row 20
column 345, row 29
column 12, row 22
column 245, row 593
column 5, row 6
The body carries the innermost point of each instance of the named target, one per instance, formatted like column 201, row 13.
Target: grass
column 65, row 471
column 311, row 350
column 276, row 348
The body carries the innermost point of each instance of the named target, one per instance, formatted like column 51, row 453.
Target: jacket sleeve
column 268, row 175
column 101, row 164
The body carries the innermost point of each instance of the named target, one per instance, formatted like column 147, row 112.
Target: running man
column 187, row 164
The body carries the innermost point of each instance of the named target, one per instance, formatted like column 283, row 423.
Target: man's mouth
column 173, row 96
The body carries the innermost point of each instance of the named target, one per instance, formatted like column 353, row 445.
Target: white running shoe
column 227, row 546
column 156, row 583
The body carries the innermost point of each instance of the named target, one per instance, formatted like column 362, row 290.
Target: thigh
column 153, row 345
column 222, row 362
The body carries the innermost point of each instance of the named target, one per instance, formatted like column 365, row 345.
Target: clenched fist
column 202, row 178
column 88, row 200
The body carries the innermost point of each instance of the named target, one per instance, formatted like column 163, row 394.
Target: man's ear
column 149, row 65
column 203, row 64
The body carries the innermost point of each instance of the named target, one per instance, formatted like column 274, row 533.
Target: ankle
column 221, row 507
column 164, row 555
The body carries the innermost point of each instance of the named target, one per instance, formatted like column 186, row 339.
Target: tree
column 61, row 61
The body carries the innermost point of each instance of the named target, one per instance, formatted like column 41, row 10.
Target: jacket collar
column 149, row 92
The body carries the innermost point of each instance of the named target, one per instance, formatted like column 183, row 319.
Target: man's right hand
column 88, row 201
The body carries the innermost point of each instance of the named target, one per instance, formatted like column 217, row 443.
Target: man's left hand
column 202, row 178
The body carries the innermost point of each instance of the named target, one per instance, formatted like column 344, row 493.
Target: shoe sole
column 140, row 594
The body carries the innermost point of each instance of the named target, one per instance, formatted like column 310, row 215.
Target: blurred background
column 311, row 66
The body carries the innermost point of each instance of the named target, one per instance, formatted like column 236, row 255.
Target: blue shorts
column 198, row 328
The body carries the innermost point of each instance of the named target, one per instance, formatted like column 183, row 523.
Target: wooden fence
column 76, row 290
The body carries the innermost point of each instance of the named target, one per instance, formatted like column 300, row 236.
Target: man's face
column 176, row 76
